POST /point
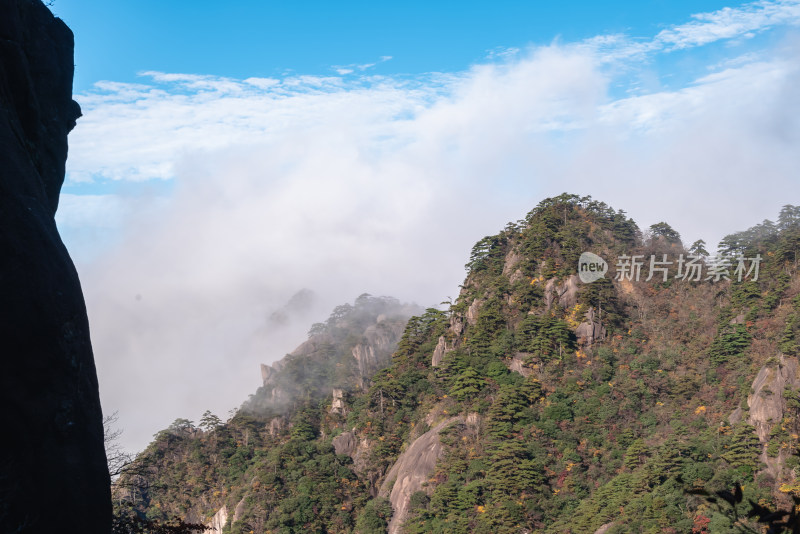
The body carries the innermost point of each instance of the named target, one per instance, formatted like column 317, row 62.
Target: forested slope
column 535, row 402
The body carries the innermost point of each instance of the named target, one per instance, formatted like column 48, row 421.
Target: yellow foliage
column 481, row 509
column 790, row 488
column 575, row 315
column 699, row 410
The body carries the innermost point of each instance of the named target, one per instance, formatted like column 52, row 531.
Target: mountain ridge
column 539, row 428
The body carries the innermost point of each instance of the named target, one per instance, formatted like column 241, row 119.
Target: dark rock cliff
column 53, row 474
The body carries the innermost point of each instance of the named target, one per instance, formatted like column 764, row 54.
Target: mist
column 233, row 195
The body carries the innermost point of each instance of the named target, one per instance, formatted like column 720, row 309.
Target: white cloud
column 343, row 70
column 379, row 184
column 729, row 22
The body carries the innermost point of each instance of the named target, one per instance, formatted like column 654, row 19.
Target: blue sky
column 232, row 154
column 239, row 39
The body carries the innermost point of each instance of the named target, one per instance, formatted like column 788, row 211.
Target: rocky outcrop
column 456, row 325
column 267, row 374
column 510, row 269
column 276, row 425
column 590, row 330
column 511, row 261
column 517, row 364
column 766, row 402
column 565, row 293
column 410, row 471
column 53, row 473
column 217, row 522
column 473, row 422
column 516, row 276
column 238, row 512
column 439, row 352
column 338, row 405
column 371, row 346
column 472, row 312
column 375, row 351
column 345, row 443
column 348, row 444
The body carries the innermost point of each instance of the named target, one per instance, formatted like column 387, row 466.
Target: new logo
column 591, row 267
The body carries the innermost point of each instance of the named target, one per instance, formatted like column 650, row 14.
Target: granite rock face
column 411, row 470
column 53, row 473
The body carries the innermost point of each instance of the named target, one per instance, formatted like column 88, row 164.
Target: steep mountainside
column 342, row 353
column 53, row 472
column 540, row 401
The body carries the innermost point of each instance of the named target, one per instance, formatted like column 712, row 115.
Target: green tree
column 467, row 384
column 698, row 248
column 789, row 217
column 209, row 421
column 731, row 341
column 665, row 231
column 789, row 340
column 636, row 454
column 744, row 449
column 374, row 518
column 507, row 410
column 302, row 429
column 511, row 471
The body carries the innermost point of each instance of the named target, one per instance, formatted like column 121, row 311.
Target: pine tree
column 698, row 248
column 302, row 429
column 636, row 454
column 788, row 341
column 209, row 421
column 731, row 341
column 668, row 462
column 511, row 471
column 506, row 411
column 744, row 448
column 664, row 230
column 467, row 384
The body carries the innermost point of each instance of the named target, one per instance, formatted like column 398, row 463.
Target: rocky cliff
column 411, row 471
column 340, row 355
column 53, row 472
